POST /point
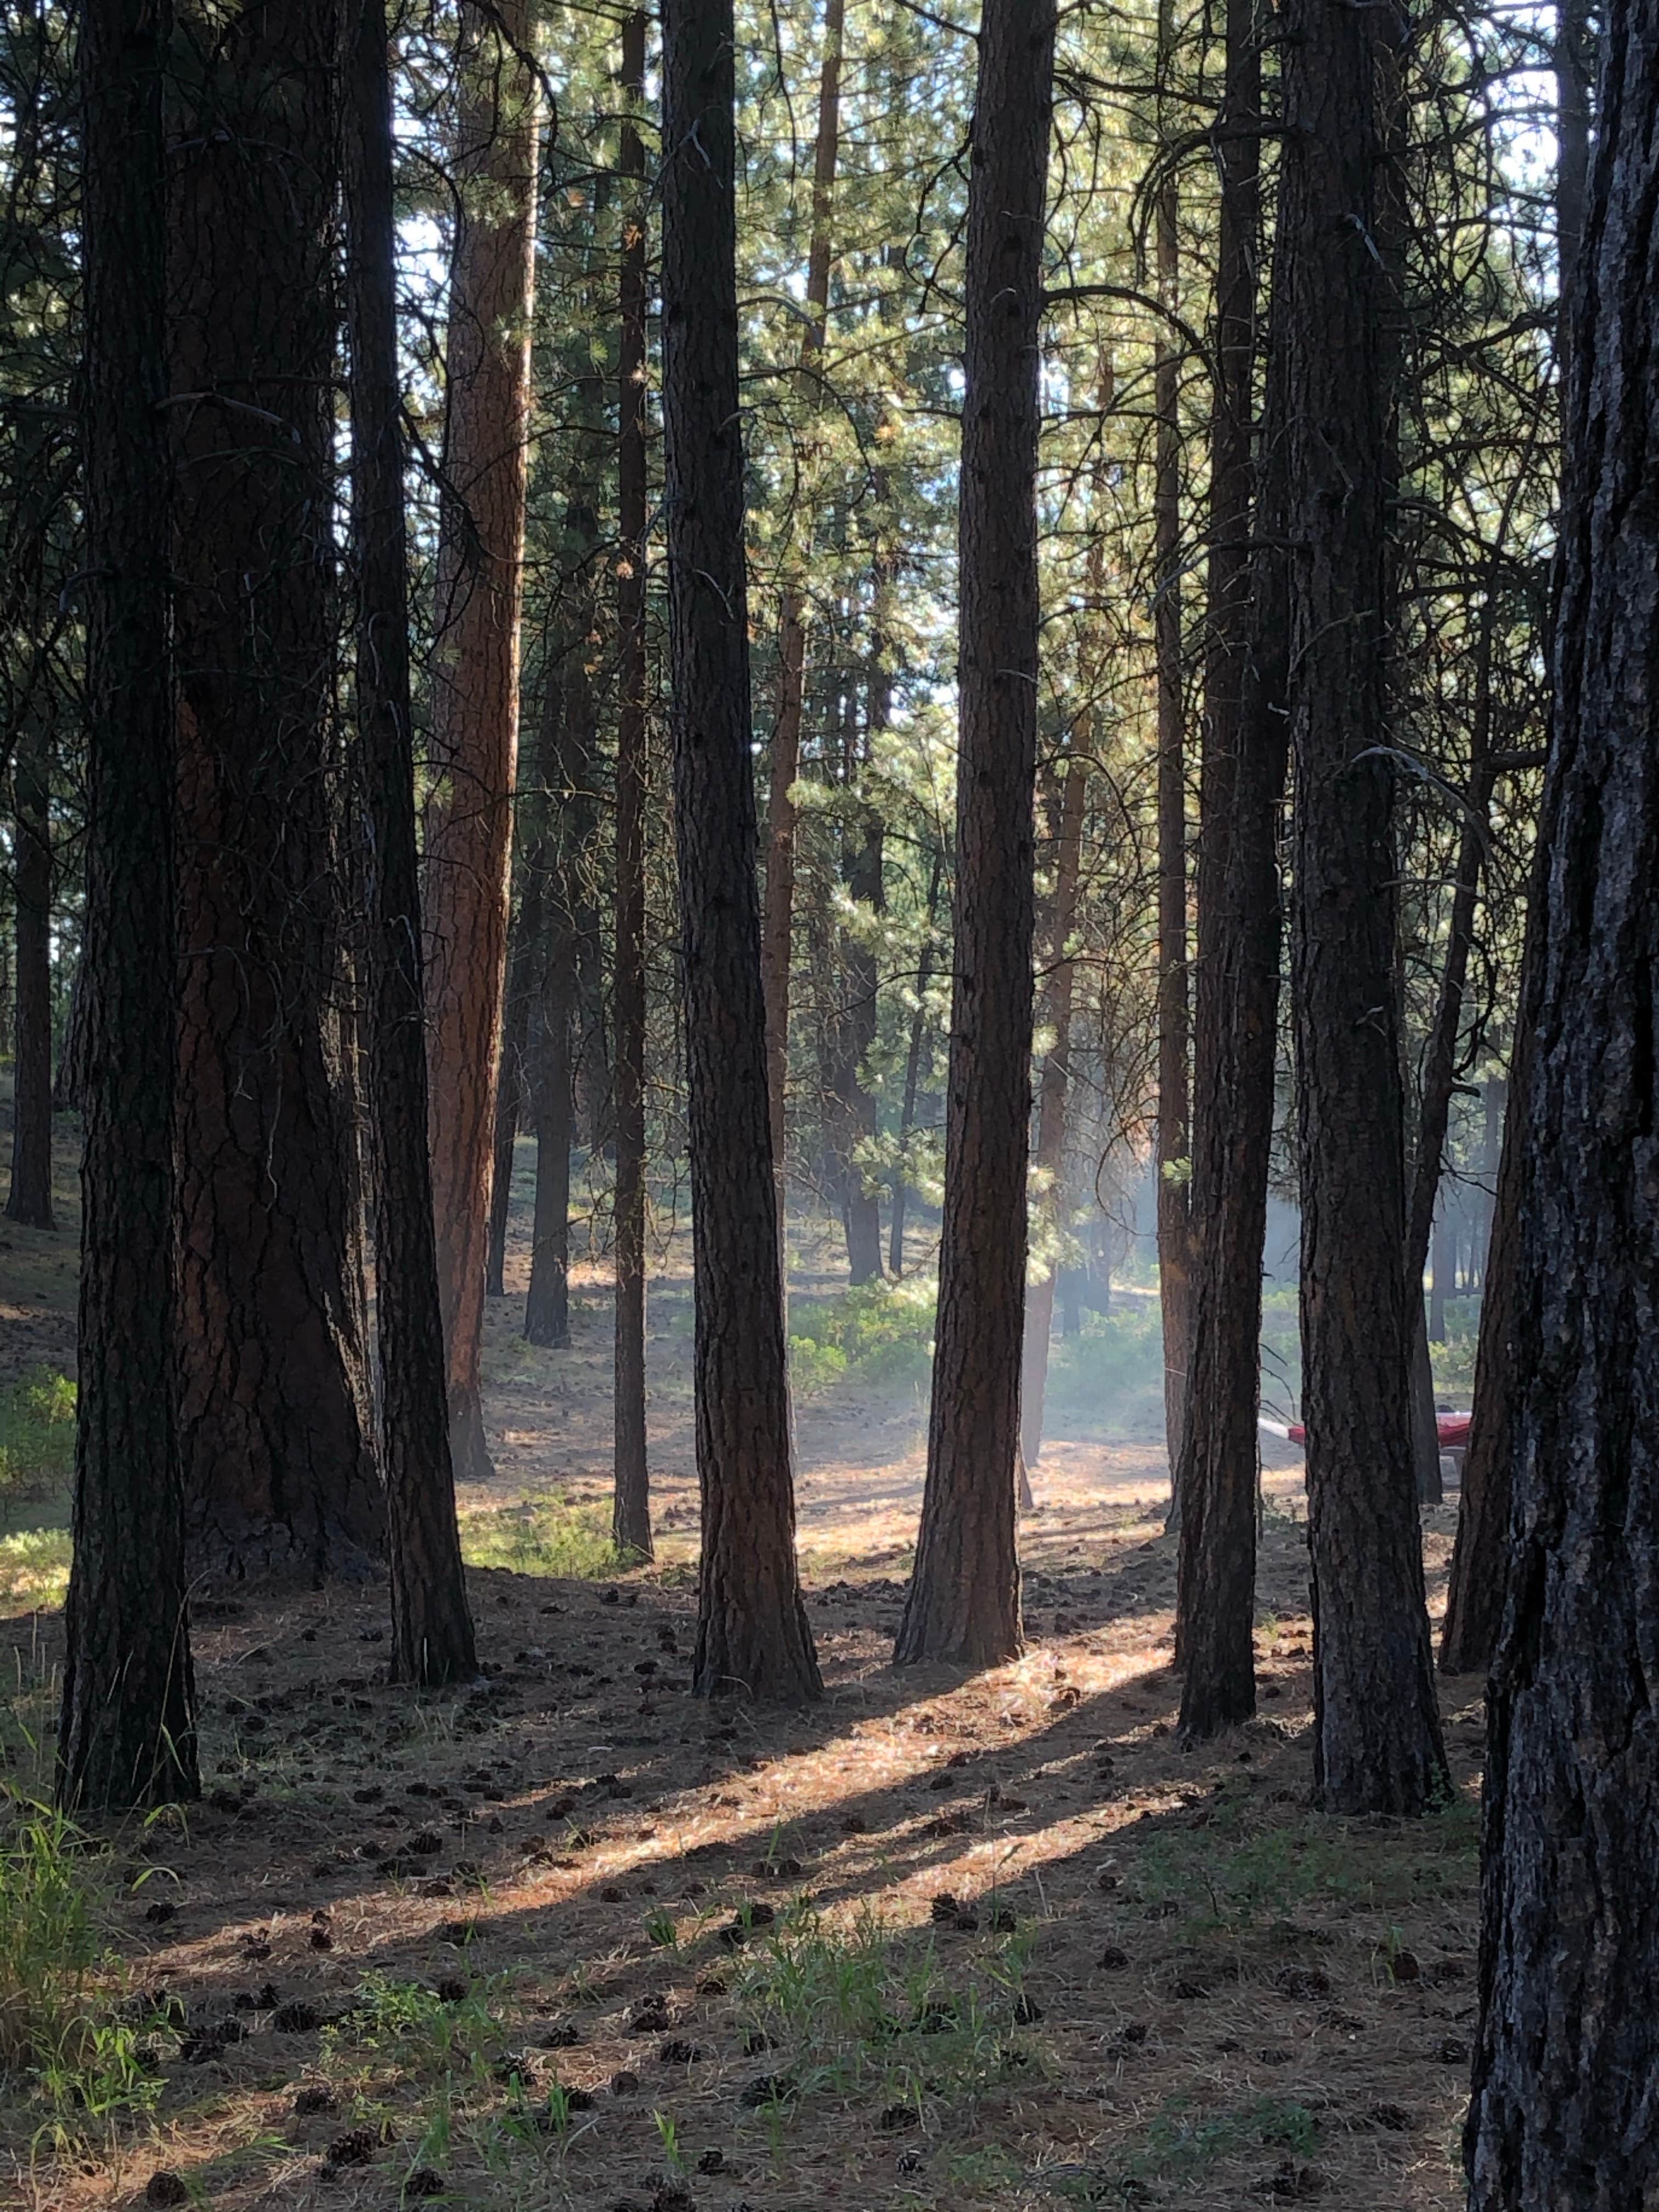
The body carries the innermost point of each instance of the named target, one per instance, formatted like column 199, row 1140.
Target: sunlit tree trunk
column 475, row 706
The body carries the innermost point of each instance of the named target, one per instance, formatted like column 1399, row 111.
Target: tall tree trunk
column 1376, row 1727
column 432, row 1633
column 963, row 1601
column 1236, row 1036
column 475, row 680
column 29, row 1199
column 275, row 1411
column 866, row 888
column 127, row 1735
column 912, row 1076
column 631, row 1518
column 1474, row 1588
column 752, row 1632
column 777, row 938
column 1568, row 2048
column 1175, row 1265
column 1053, row 1090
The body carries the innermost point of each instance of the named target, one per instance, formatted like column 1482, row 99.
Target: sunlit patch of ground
column 572, row 1939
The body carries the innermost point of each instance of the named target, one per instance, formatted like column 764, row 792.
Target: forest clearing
column 1004, row 1942
column 829, row 1029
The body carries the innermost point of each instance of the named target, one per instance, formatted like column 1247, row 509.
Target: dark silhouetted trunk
column 777, row 936
column 432, row 1635
column 630, row 1516
column 752, row 1633
column 1474, row 1588
column 1175, row 1257
column 475, row 708
column 963, row 1601
column 1568, row 2046
column 275, row 1408
column 29, row 1201
column 1235, row 1032
column 127, row 1735
column 1376, row 1727
column 1053, row 1093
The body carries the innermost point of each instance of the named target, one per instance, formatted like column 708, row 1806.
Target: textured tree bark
column 631, row 1518
column 1052, row 1089
column 1568, row 2048
column 1377, row 1745
column 777, row 932
column 1175, row 1256
column 432, row 1633
column 275, row 1412
column 29, row 1201
column 752, row 1633
column 1235, row 1034
column 963, row 1600
column 127, row 1735
column 1474, row 1588
column 474, row 707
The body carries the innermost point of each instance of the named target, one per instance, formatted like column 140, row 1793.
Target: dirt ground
column 573, row 1939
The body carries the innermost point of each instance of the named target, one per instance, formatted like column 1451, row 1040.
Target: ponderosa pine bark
column 1474, row 1587
column 275, row 1405
column 631, row 1518
column 432, row 1634
column 127, row 1735
column 1377, row 1744
column 29, row 1201
column 963, row 1600
column 913, row 1077
column 777, row 927
column 475, row 707
column 1561, row 2114
column 752, row 1634
column 512, row 1087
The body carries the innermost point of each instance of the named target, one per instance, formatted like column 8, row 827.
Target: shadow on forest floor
column 574, row 1939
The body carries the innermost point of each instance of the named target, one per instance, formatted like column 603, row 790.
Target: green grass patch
column 543, row 1536
column 34, row 1570
column 37, row 1434
column 881, row 1333
column 63, row 2031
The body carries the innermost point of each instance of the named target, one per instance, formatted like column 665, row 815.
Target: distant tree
column 432, row 1635
column 963, row 1601
column 777, row 938
column 474, row 738
column 275, row 1411
column 752, row 1633
column 29, row 1201
column 631, row 1512
column 1376, row 1728
column 127, row 1735
column 1568, row 2045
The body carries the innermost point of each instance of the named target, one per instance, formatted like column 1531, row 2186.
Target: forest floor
column 571, row 1939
